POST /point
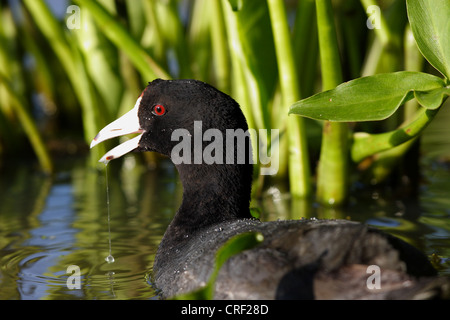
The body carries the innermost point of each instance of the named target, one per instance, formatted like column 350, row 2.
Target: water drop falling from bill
column 109, row 258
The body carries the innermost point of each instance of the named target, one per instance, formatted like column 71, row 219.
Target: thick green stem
column 238, row 81
column 366, row 144
column 305, row 46
column 219, row 47
column 329, row 51
column 240, row 87
column 332, row 180
column 299, row 171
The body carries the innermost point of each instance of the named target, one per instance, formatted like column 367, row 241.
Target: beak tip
column 126, row 124
column 95, row 141
column 106, row 159
column 93, row 144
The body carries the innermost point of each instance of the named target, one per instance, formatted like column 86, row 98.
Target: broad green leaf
column 432, row 99
column 430, row 23
column 366, row 99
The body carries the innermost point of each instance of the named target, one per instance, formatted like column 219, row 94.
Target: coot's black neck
column 211, row 194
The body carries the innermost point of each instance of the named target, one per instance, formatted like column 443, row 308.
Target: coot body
column 303, row 259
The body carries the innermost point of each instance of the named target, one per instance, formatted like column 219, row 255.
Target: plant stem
column 122, row 39
column 383, row 55
column 413, row 61
column 71, row 61
column 219, row 47
column 305, row 46
column 388, row 140
column 299, row 171
column 332, row 183
column 239, row 85
column 329, row 51
column 383, row 32
column 100, row 69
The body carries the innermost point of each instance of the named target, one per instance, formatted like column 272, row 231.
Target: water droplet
column 109, row 259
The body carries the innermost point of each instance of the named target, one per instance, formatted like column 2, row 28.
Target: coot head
column 168, row 105
column 189, row 121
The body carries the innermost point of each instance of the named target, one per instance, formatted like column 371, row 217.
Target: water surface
column 50, row 223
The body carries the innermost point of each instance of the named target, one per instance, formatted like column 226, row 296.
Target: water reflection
column 48, row 224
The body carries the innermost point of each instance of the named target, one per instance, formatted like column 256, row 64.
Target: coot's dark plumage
column 305, row 259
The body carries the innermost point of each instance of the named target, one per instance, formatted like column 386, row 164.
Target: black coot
column 304, row 259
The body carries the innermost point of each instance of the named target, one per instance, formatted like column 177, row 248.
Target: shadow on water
column 50, row 223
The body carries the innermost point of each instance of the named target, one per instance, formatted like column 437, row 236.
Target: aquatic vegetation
column 67, row 70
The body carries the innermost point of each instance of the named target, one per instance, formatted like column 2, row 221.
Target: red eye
column 159, row 110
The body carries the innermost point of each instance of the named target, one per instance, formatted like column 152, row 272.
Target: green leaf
column 432, row 99
column 70, row 57
column 235, row 245
column 251, row 42
column 430, row 24
column 30, row 128
column 366, row 99
column 100, row 60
